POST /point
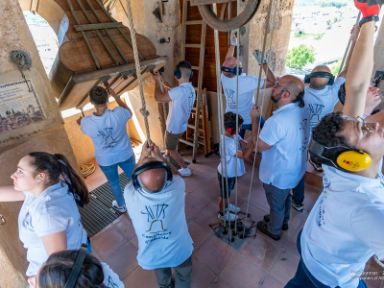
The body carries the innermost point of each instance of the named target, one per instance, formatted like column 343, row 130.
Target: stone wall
column 46, row 135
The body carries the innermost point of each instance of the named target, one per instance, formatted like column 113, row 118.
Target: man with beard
column 283, row 142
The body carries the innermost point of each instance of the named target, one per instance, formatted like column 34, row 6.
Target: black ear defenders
column 148, row 166
column 348, row 159
column 76, row 268
column 331, row 78
column 183, row 64
column 235, row 70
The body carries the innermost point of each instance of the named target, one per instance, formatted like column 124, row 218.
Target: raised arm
column 8, row 194
column 119, row 102
column 271, row 78
column 161, row 90
column 361, row 62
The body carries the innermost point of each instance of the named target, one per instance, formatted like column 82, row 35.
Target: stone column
column 46, row 134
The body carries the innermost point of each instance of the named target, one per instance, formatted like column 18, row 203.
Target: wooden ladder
column 198, row 128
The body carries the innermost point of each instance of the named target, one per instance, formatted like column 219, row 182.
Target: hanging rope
column 348, row 48
column 143, row 109
column 220, row 109
column 267, row 26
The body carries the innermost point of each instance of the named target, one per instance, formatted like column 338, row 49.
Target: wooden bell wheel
column 217, row 22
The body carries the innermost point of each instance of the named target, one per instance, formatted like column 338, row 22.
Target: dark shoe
column 297, row 207
column 267, row 218
column 263, row 228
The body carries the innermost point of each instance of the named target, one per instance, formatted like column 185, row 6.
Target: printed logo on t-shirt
column 156, row 228
column 110, row 283
column 315, row 111
column 230, row 98
column 27, row 222
column 304, row 128
column 108, row 140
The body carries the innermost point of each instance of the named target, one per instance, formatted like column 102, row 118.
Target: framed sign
column 19, row 106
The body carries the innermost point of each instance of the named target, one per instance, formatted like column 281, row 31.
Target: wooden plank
column 108, row 34
column 159, row 61
column 93, row 55
column 97, row 26
column 101, row 38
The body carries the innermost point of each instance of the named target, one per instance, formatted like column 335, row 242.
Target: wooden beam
column 82, row 77
column 98, row 26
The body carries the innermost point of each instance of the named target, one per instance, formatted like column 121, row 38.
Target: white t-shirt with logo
column 53, row 211
column 160, row 225
column 247, row 87
column 287, row 131
column 228, row 150
column 109, row 135
column 180, row 107
column 344, row 228
column 322, row 102
column 111, row 279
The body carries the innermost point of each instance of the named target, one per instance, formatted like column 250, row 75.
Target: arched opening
column 46, row 40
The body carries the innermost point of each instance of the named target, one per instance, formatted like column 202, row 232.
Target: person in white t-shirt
column 156, row 205
column 181, row 100
column 283, row 142
column 344, row 228
column 108, row 131
column 57, row 270
column 231, row 165
column 239, row 88
column 49, row 220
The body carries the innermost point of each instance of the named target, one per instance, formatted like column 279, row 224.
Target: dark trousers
column 304, row 279
column 298, row 193
column 279, row 201
column 182, row 275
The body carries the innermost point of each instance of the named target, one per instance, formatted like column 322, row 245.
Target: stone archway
column 50, row 10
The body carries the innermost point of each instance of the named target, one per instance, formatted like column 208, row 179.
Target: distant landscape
column 324, row 28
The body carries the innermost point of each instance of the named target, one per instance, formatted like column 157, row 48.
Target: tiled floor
column 260, row 262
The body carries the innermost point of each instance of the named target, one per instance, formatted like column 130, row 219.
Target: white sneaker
column 233, row 208
column 185, row 172
column 228, row 216
column 121, row 209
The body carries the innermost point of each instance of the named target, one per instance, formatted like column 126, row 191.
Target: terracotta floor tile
column 202, row 275
column 285, row 266
column 123, row 260
column 107, row 241
column 199, row 233
column 140, row 278
column 242, row 271
column 214, row 253
column 270, row 282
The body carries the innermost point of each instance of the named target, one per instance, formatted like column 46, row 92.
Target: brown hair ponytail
column 56, row 165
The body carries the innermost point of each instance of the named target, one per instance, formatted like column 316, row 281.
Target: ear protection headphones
column 235, row 70
column 331, row 78
column 230, row 122
column 148, row 166
column 183, row 64
column 76, row 268
column 348, row 160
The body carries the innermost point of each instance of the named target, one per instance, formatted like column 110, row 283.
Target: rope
column 220, row 113
column 143, row 109
column 87, row 169
column 262, row 105
column 347, row 49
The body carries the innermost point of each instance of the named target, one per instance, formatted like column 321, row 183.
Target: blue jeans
column 298, row 193
column 279, row 201
column 303, row 278
column 113, row 177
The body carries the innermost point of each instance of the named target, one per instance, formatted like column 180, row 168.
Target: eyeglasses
column 367, row 127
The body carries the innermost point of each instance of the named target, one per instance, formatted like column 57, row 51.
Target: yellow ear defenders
column 349, row 160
